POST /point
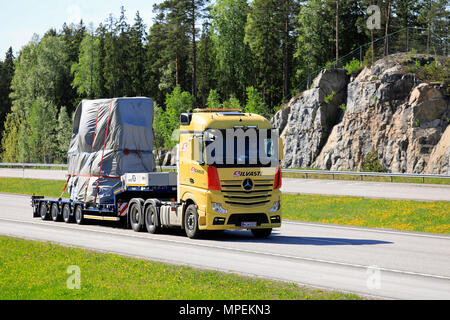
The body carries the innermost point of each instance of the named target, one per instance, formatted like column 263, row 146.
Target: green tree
column 6, row 75
column 315, row 29
column 263, row 34
column 10, row 147
column 177, row 103
column 176, row 40
column 137, row 59
column 63, row 134
column 206, row 77
column 156, row 60
column 255, row 103
column 42, row 127
column 87, row 70
column 229, row 18
column 371, row 163
column 213, row 99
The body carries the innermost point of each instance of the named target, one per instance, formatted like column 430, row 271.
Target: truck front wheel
column 191, row 222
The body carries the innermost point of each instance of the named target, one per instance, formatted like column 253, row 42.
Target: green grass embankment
column 31, row 270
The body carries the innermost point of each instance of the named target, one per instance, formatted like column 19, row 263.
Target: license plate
column 248, row 224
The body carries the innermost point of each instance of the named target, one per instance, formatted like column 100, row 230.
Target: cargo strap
column 65, row 187
column 103, row 152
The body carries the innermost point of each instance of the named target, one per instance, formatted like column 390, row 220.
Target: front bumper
column 240, row 221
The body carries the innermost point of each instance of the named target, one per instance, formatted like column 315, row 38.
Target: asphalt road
column 405, row 191
column 373, row 262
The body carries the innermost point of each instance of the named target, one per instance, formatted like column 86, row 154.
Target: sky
column 20, row 19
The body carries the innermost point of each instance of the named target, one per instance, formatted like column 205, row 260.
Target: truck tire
column 79, row 216
column 43, row 211
column 261, row 233
column 151, row 216
column 191, row 222
column 135, row 214
column 54, row 212
column 66, row 213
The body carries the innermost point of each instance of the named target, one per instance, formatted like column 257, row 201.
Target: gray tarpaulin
column 111, row 135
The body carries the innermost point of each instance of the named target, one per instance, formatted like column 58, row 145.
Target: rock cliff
column 336, row 123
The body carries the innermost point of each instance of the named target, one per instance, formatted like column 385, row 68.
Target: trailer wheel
column 261, row 233
column 191, row 222
column 79, row 217
column 54, row 212
column 66, row 213
column 43, row 211
column 150, row 219
column 135, row 214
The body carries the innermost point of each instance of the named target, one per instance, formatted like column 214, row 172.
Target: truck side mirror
column 185, row 119
column 197, row 150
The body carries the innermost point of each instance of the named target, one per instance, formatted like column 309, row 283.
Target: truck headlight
column 217, row 207
column 276, row 207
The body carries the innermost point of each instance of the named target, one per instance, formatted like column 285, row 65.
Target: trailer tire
column 43, row 211
column 66, row 214
column 191, row 222
column 151, row 217
column 79, row 216
column 135, row 214
column 54, row 212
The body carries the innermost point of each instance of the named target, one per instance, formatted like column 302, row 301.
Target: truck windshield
column 241, row 148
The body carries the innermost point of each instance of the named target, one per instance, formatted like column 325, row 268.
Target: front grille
column 235, row 194
column 237, row 219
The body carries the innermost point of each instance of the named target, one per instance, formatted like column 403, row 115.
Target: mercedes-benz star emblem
column 247, row 185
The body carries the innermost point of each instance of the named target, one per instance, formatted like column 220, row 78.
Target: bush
column 353, row 67
column 371, row 163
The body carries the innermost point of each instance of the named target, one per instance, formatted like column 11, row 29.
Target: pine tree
column 6, row 75
column 155, row 59
column 176, row 46
column 206, row 64
column 137, row 57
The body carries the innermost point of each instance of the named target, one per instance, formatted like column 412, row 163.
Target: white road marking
column 196, row 243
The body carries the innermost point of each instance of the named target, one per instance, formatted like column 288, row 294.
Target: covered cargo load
column 110, row 137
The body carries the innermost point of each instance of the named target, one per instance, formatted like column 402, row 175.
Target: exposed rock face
column 439, row 162
column 402, row 119
column 307, row 121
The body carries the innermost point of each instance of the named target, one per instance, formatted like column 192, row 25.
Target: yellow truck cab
column 229, row 175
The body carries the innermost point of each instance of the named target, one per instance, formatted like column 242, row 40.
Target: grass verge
column 48, row 188
column 325, row 176
column 404, row 215
column 33, row 270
